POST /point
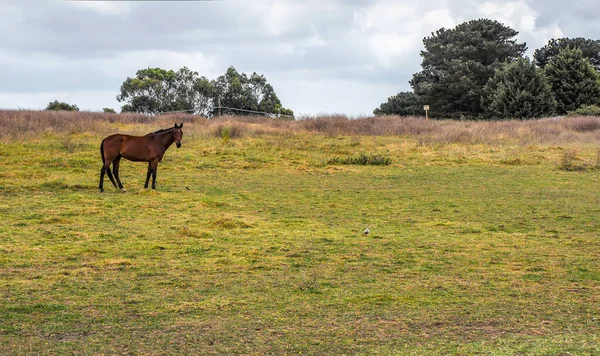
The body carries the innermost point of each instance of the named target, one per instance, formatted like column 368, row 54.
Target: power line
column 256, row 112
column 228, row 108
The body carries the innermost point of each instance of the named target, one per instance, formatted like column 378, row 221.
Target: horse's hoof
column 123, row 190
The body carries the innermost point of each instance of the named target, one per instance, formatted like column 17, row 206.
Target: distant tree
column 518, row 90
column 237, row 90
column 155, row 90
column 457, row 64
column 109, row 110
column 573, row 80
column 589, row 48
column 403, row 104
column 56, row 105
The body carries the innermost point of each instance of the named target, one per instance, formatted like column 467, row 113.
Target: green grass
column 254, row 245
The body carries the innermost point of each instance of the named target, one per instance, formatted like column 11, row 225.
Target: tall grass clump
column 582, row 123
column 567, row 161
column 229, row 130
column 362, row 160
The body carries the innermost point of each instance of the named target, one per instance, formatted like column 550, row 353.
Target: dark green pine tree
column 403, row 104
column 457, row 63
column 589, row 47
column 518, row 90
column 573, row 80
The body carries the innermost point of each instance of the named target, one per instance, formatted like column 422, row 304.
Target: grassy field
column 484, row 238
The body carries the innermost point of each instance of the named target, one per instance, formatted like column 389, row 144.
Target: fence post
column 219, row 103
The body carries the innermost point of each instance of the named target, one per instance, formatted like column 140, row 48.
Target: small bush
column 586, row 110
column 56, row 105
column 228, row 131
column 362, row 160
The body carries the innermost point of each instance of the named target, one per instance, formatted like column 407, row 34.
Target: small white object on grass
column 366, row 232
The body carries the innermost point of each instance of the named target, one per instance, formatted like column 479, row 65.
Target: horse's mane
column 162, row 130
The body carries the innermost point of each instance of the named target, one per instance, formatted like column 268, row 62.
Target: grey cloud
column 575, row 18
column 315, row 41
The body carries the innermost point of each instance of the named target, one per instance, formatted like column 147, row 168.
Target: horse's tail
column 102, row 152
column 105, row 168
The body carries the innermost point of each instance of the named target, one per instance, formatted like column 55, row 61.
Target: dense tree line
column 478, row 70
column 157, row 90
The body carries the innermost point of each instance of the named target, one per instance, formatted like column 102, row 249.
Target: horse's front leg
column 148, row 174
column 154, row 165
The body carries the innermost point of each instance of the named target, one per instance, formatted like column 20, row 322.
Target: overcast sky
column 321, row 56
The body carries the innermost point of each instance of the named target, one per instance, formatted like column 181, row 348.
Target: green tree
column 403, row 104
column 155, row 90
column 573, row 80
column 109, row 110
column 457, row 63
column 238, row 91
column 56, row 105
column 518, row 90
column 589, row 48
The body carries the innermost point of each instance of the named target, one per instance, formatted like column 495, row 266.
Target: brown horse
column 150, row 148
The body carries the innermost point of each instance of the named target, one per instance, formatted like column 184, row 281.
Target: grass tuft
column 362, row 160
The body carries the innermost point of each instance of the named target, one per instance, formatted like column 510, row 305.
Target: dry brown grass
column 16, row 124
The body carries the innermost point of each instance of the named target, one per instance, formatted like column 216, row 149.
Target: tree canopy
column 403, row 104
column 590, row 49
column 573, row 79
column 157, row 90
column 518, row 90
column 237, row 90
column 457, row 64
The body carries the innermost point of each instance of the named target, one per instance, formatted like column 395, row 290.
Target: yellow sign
column 426, row 107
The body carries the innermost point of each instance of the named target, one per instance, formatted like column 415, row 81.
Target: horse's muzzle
column 178, row 144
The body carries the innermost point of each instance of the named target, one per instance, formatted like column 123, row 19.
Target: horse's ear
column 181, row 125
column 175, row 125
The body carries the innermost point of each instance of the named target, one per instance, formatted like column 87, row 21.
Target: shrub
column 403, row 104
column 56, row 105
column 362, row 160
column 586, row 110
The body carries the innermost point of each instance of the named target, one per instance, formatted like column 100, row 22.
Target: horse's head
column 177, row 134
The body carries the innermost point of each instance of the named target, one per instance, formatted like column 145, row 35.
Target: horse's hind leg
column 101, row 185
column 106, row 169
column 110, row 175
column 116, row 172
